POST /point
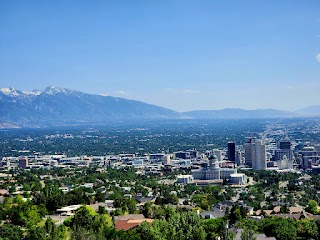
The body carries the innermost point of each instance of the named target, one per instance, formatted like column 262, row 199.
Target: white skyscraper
column 259, row 159
column 255, row 154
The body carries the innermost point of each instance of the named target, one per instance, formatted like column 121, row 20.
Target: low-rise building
column 185, row 179
column 238, row 178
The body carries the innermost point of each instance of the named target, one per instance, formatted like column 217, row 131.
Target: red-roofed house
column 130, row 223
column 3, row 192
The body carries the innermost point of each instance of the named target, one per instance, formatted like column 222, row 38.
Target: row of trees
column 52, row 197
column 23, row 221
column 21, row 213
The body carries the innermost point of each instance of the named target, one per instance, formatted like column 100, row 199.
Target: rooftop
column 131, row 223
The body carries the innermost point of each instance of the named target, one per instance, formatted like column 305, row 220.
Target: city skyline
column 182, row 56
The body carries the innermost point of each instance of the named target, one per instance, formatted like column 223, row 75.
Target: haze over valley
column 64, row 106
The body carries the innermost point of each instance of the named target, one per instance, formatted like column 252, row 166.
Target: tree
column 101, row 222
column 24, row 214
column 235, row 214
column 249, row 224
column 286, row 231
column 32, row 216
column 36, row 233
column 284, row 209
column 18, row 199
column 247, row 234
column 100, row 197
column 317, row 222
column 312, row 207
column 12, row 189
column 184, row 225
column 130, row 204
column 307, row 229
column 42, row 210
column 167, row 199
column 26, row 187
column 200, row 200
column 67, row 222
column 9, row 231
column 84, row 217
column 82, row 233
column 102, row 210
column 36, row 186
column 147, row 210
column 279, row 228
column 215, row 228
column 49, row 226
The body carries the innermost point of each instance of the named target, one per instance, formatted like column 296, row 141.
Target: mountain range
column 64, row 106
column 238, row 113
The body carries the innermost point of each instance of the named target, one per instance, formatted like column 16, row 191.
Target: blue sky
column 184, row 55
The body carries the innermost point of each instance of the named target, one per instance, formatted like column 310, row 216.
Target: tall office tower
column 239, row 157
column 285, row 147
column 182, row 155
column 285, row 144
column 8, row 164
column 255, row 154
column 23, row 162
column 284, row 152
column 248, row 152
column 232, row 151
column 193, row 153
column 166, row 160
column 259, row 160
column 309, row 157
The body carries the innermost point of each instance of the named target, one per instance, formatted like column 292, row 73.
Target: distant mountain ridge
column 60, row 105
column 238, row 113
column 310, row 111
column 64, row 106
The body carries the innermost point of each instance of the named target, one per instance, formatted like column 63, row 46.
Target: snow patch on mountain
column 56, row 90
column 34, row 92
column 11, row 92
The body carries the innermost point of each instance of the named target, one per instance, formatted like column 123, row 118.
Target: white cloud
column 122, row 92
column 189, row 91
column 318, row 57
column 179, row 91
column 104, row 94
